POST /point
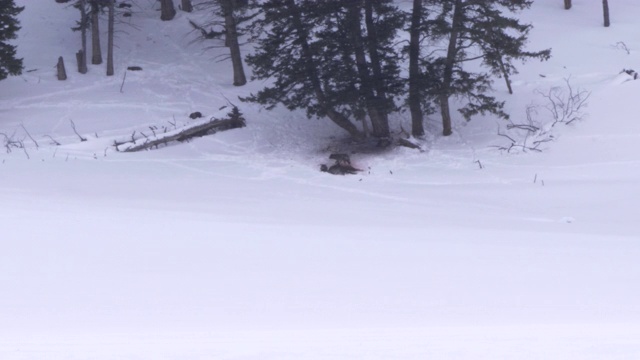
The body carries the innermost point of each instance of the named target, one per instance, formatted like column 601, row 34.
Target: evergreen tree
column 484, row 27
column 227, row 23
column 287, row 53
column 425, row 71
column 9, row 25
column 372, row 27
column 415, row 74
column 229, row 8
column 333, row 58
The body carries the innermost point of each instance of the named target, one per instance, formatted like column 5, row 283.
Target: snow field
column 235, row 246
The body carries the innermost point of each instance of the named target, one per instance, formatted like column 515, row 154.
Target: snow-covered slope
column 235, row 246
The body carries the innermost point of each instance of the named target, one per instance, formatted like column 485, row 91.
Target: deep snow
column 235, row 246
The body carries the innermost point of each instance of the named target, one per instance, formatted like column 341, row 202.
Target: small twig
column 526, row 127
column 623, row 46
column 30, row 137
column 25, row 150
column 123, row 78
column 73, row 126
column 53, row 140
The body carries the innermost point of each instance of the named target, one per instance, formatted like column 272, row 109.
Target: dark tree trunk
column 381, row 101
column 96, row 51
column 567, row 4
column 231, row 40
column 187, row 6
column 311, row 74
column 447, row 77
column 62, row 72
column 605, row 12
column 505, row 74
column 379, row 121
column 110, row 71
column 81, row 56
column 81, row 59
column 167, row 10
column 415, row 92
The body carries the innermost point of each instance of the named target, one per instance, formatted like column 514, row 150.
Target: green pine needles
column 357, row 62
column 9, row 26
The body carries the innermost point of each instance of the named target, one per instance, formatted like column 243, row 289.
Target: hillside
column 235, row 246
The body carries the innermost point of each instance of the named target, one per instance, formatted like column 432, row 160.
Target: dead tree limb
column 73, row 126
column 233, row 121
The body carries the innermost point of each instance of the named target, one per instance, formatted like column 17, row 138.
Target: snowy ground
column 235, row 246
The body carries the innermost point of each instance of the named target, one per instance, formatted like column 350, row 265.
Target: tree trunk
column 231, row 39
column 62, row 72
column 415, row 92
column 447, row 77
column 605, row 12
column 187, row 6
column 167, row 11
column 379, row 120
column 503, row 69
column 110, row 71
column 381, row 102
column 81, row 56
column 567, row 4
column 96, row 51
column 81, row 59
column 311, row 74
column 207, row 128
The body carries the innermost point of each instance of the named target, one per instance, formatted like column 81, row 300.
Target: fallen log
column 409, row 144
column 234, row 120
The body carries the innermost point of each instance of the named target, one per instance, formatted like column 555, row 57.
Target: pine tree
column 228, row 23
column 415, row 74
column 372, row 26
column 485, row 27
column 347, row 50
column 228, row 8
column 298, row 63
column 9, row 25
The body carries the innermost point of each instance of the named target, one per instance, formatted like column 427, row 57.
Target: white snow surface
column 235, row 246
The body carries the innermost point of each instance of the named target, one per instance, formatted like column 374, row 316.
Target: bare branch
column 56, row 143
column 73, row 126
column 29, row 135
